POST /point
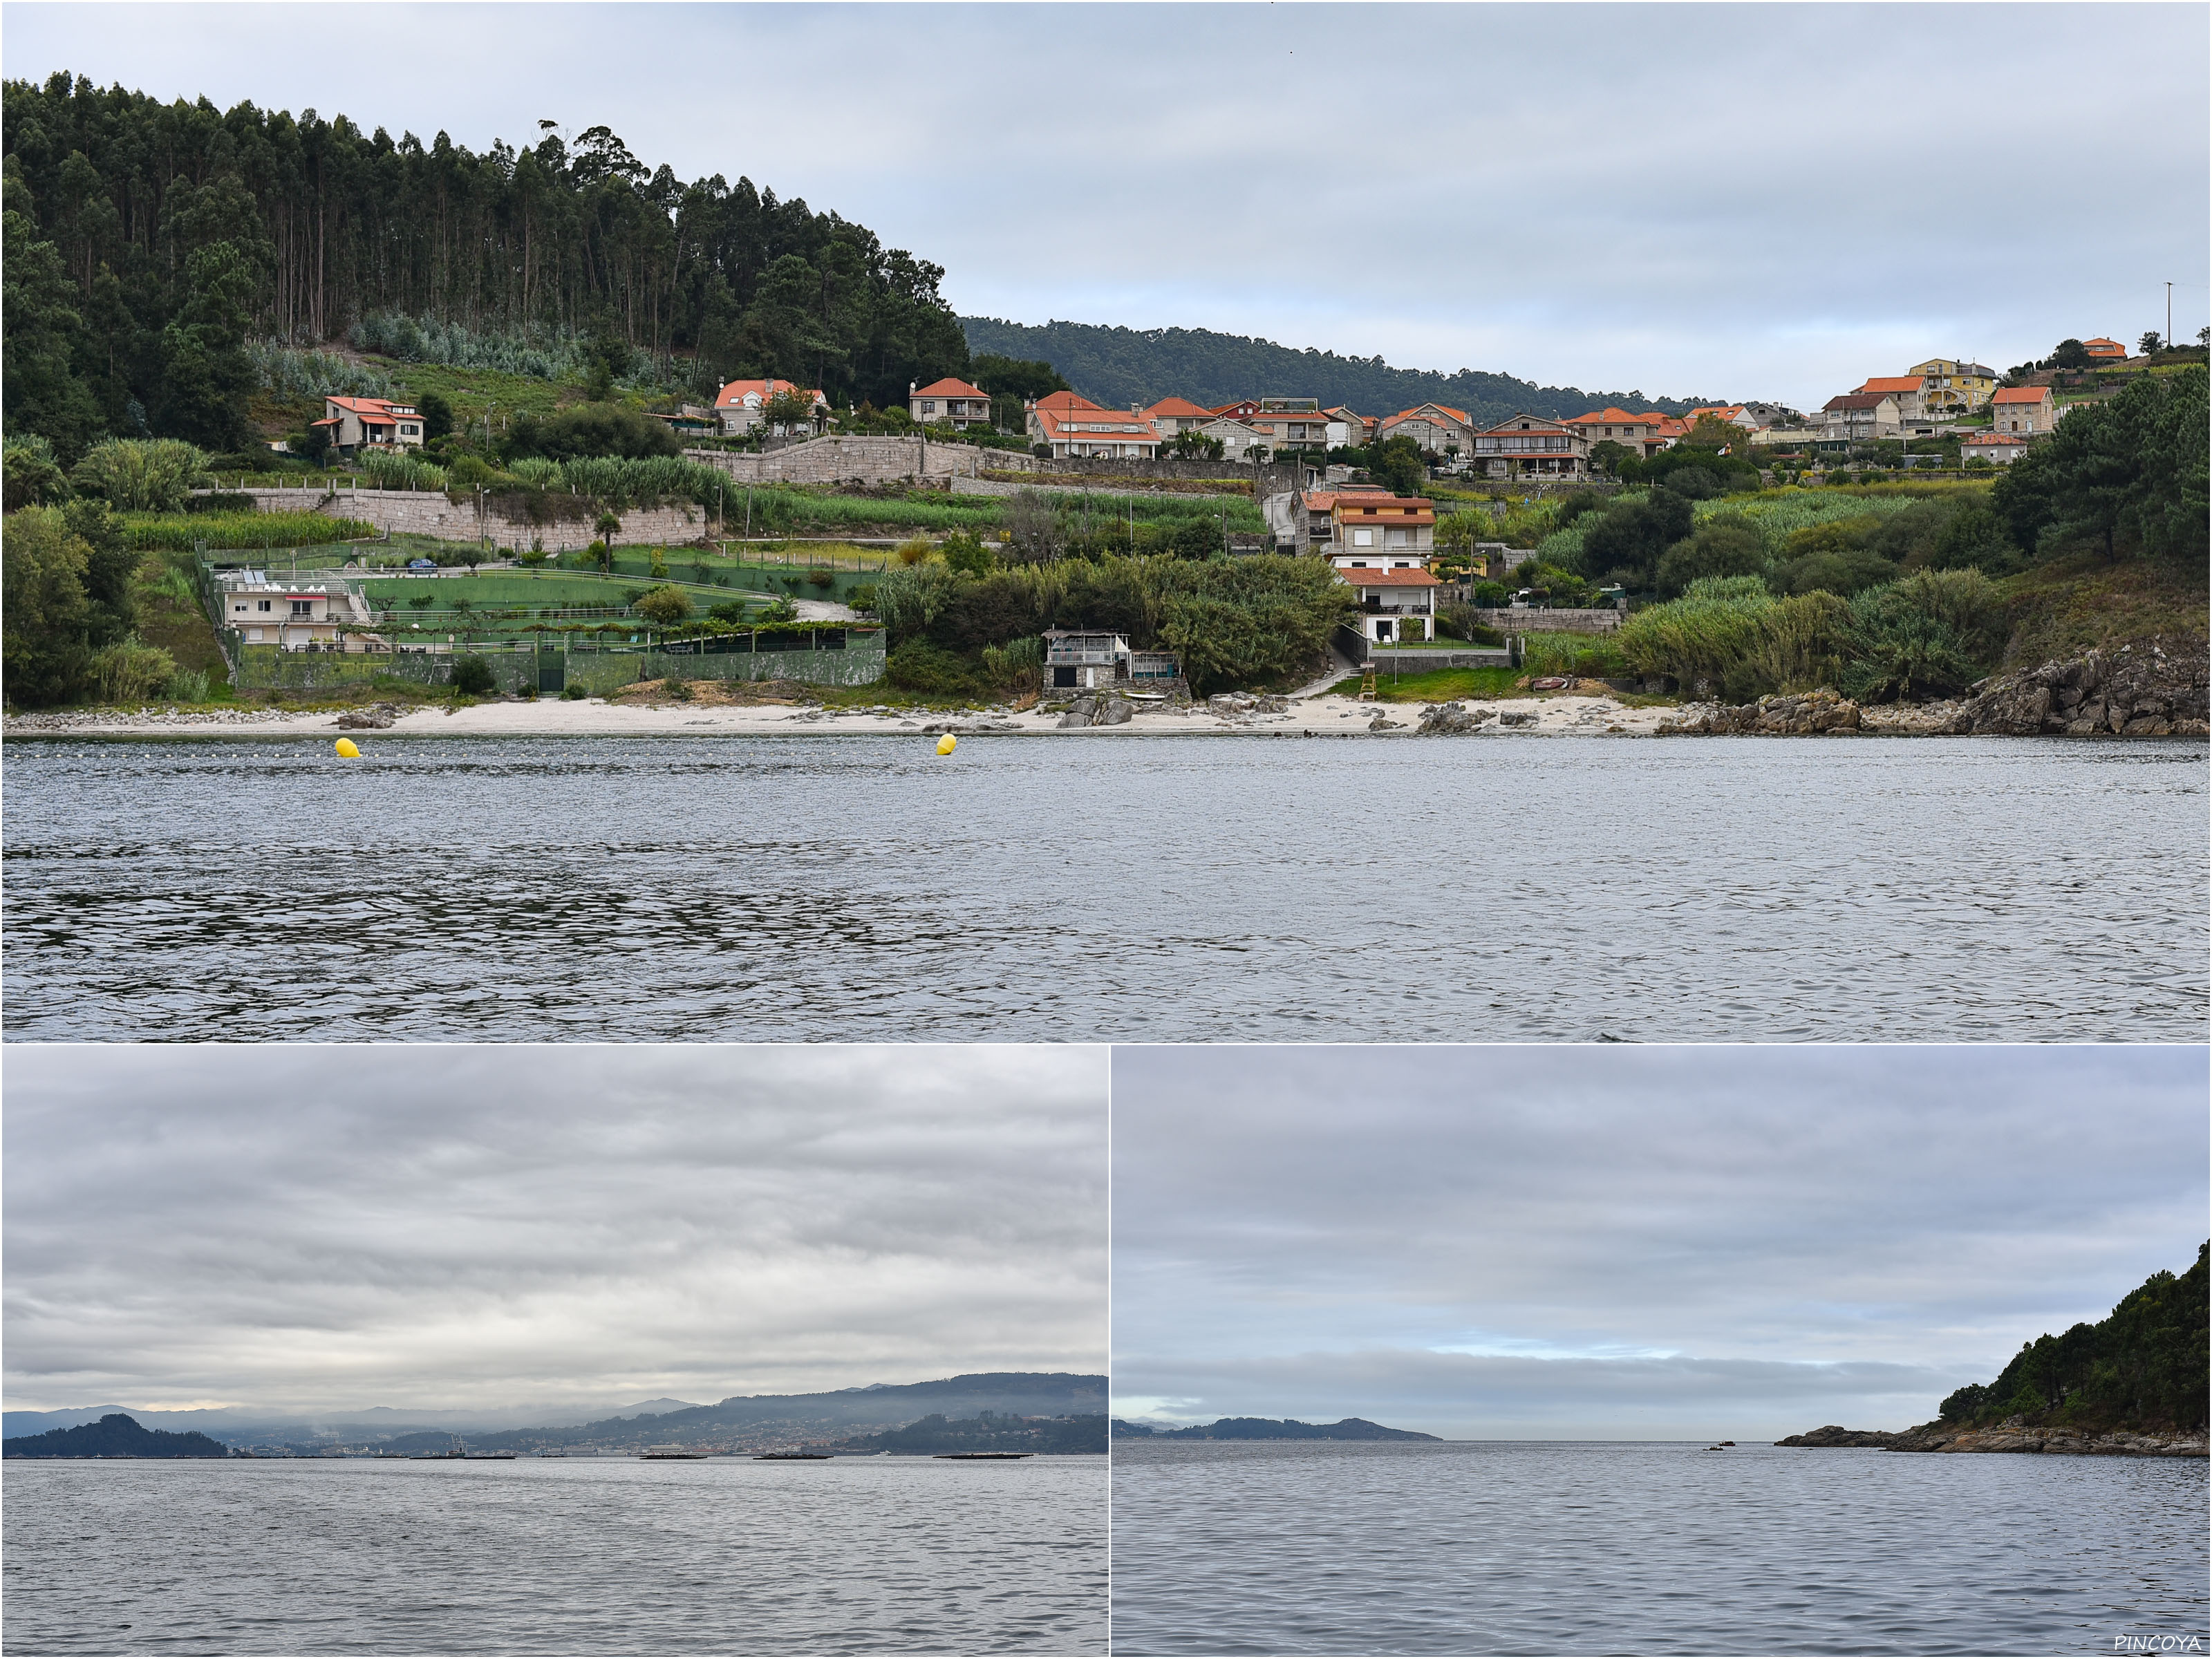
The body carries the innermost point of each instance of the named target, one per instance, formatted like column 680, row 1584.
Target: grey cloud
column 1923, row 1208
column 330, row 1229
column 1728, row 200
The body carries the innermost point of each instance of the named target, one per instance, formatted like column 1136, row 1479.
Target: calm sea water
column 864, row 1555
column 1497, row 1547
column 1199, row 890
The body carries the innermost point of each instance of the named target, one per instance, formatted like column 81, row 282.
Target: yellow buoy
column 347, row 750
column 947, row 743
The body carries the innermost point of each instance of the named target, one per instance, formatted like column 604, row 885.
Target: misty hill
column 987, row 1431
column 1121, row 366
column 872, row 1409
column 352, row 1424
column 1264, row 1428
column 113, row 1436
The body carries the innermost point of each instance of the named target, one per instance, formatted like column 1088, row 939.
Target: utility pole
column 2169, row 316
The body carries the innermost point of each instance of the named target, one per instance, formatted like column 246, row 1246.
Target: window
column 241, row 606
column 253, row 637
column 929, row 405
column 1361, row 538
column 262, row 605
column 303, row 607
column 410, row 432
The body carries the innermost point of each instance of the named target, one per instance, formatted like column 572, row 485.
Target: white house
column 1397, row 599
column 2000, row 448
column 296, row 616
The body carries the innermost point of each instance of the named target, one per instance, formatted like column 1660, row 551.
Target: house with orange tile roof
column 1073, row 426
column 1908, row 391
column 1397, row 598
column 2106, row 350
column 1639, row 433
column 1289, row 429
column 1999, row 448
column 1438, row 428
column 1949, row 387
column 949, row 401
column 1171, row 416
column 1531, row 447
column 741, row 405
column 359, row 423
column 2023, row 411
column 1372, row 528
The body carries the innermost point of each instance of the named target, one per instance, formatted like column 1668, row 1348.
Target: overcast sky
column 332, row 1228
column 1630, row 1242
column 1739, row 201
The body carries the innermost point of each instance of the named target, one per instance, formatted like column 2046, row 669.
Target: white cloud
column 331, row 1228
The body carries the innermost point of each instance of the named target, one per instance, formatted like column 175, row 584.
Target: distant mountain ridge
column 353, row 1423
column 1120, row 368
column 1267, row 1428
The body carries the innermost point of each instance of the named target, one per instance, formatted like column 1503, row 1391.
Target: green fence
column 826, row 657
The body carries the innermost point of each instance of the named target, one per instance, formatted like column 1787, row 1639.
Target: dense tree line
column 146, row 242
column 1120, row 367
column 114, row 1436
column 2142, row 1366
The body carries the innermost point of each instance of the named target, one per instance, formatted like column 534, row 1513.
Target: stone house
column 1905, row 391
column 949, row 400
column 1349, row 430
column 1438, row 430
column 743, row 405
column 359, row 423
column 1532, row 446
column 1289, row 423
column 1642, row 433
column 2022, row 410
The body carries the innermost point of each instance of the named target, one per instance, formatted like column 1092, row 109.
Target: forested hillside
column 2142, row 1366
column 114, row 1436
column 148, row 243
column 1122, row 366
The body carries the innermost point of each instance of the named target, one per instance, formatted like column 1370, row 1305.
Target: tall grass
column 427, row 340
column 1701, row 636
column 177, row 531
column 387, row 470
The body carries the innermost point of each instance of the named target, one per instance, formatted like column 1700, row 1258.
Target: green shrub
column 472, row 677
column 824, row 580
column 1019, row 665
column 130, row 670
column 1803, row 644
column 33, row 477
column 187, row 685
column 1930, row 634
column 918, row 665
column 140, row 475
column 573, row 694
column 1727, row 544
column 1698, row 638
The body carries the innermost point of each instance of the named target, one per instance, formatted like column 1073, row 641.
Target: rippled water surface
column 872, row 1555
column 1518, row 1548
column 1203, row 889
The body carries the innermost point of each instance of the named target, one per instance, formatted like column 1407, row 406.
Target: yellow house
column 1953, row 388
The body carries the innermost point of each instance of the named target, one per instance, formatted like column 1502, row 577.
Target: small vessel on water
column 670, row 1455
column 459, row 1454
column 792, row 1457
column 979, row 1457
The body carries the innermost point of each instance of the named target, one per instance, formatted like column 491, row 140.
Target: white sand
column 553, row 717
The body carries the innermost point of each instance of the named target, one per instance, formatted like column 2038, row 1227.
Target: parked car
column 422, row 564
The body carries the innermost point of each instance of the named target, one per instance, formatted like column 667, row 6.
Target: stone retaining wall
column 1551, row 621
column 882, row 460
column 431, row 512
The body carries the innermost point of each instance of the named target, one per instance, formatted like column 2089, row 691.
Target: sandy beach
column 1323, row 716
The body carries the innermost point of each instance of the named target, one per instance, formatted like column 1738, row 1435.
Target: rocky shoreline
column 2152, row 688
column 2011, row 1436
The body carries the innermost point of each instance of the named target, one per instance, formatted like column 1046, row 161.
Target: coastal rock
column 2151, row 688
column 1448, row 719
column 1384, row 723
column 377, row 717
column 1787, row 715
column 1835, row 1435
column 1113, row 711
column 1906, row 720
column 1517, row 717
column 2012, row 1436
